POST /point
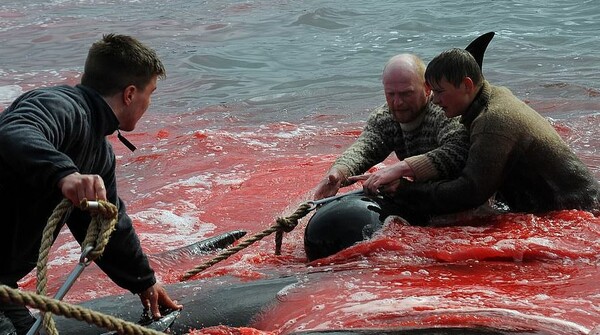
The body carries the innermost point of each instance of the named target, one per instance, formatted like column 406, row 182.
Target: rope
column 8, row 294
column 282, row 224
column 103, row 223
column 104, row 219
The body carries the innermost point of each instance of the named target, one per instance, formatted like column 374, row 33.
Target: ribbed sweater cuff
column 422, row 167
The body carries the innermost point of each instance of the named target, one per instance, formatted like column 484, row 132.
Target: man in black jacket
column 53, row 145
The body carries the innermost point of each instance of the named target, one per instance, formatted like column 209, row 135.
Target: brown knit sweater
column 515, row 153
column 433, row 146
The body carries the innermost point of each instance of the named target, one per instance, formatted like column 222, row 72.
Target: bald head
column 404, row 84
column 404, row 65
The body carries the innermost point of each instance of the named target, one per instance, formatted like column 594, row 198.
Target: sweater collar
column 478, row 105
column 414, row 124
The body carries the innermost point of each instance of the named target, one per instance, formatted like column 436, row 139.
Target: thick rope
column 11, row 295
column 282, row 224
column 104, row 219
column 103, row 223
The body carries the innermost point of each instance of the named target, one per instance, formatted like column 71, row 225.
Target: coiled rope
column 286, row 224
column 104, row 218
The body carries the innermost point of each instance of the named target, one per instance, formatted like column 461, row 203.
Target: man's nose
column 398, row 100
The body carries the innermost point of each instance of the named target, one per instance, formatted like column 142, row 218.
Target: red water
column 189, row 180
column 202, row 171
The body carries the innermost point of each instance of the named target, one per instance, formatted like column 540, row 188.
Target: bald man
column 428, row 145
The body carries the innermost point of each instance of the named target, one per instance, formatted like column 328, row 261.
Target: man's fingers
column 359, row 177
column 155, row 310
column 151, row 302
column 99, row 189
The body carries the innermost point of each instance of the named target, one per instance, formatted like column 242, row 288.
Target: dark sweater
column 516, row 154
column 45, row 135
column 433, row 146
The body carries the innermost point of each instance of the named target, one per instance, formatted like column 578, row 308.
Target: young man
column 515, row 153
column 53, row 145
column 428, row 145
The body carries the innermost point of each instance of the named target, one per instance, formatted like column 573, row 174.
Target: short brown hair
column 117, row 61
column 454, row 65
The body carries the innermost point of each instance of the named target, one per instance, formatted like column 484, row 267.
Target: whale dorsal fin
column 477, row 47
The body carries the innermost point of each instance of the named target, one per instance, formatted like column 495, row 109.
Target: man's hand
column 156, row 296
column 77, row 187
column 330, row 185
column 386, row 180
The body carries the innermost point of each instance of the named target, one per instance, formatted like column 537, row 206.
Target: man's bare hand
column 330, row 185
column 77, row 187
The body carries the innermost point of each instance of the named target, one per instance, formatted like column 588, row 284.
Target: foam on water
column 8, row 93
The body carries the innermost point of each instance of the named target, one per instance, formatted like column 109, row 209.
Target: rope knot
column 287, row 224
column 100, row 207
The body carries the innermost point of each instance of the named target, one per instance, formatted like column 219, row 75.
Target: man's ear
column 427, row 89
column 469, row 85
column 128, row 94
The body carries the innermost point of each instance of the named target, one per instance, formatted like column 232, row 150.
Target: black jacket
column 45, row 135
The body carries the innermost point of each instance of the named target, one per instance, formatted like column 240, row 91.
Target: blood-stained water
column 262, row 96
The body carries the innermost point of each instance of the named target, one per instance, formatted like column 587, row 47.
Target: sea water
column 261, row 96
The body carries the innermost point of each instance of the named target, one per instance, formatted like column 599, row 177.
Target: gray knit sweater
column 434, row 146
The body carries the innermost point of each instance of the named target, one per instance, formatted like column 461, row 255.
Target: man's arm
column 374, row 144
column 449, row 157
column 479, row 180
column 30, row 134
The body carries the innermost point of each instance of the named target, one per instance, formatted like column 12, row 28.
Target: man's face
column 406, row 96
column 139, row 101
column 453, row 100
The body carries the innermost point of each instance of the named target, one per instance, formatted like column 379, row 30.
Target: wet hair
column 117, row 61
column 453, row 65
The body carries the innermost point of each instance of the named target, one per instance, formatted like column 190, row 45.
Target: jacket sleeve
column 479, row 180
column 123, row 259
column 448, row 158
column 372, row 146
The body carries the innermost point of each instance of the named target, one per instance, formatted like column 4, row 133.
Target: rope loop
column 287, row 224
column 104, row 218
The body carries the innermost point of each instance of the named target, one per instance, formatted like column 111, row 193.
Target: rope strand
column 282, row 224
column 101, row 226
column 10, row 295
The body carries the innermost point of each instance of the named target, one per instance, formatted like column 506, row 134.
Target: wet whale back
column 340, row 224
